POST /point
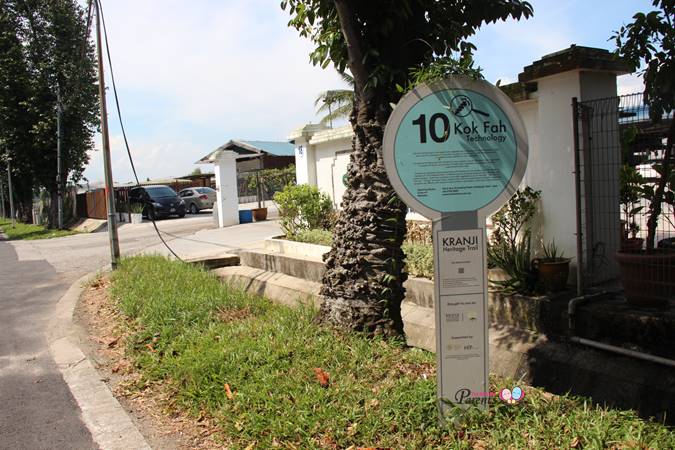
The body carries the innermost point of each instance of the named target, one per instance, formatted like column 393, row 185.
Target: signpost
column 455, row 151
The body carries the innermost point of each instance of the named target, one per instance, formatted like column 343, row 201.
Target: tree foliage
column 49, row 52
column 385, row 45
column 336, row 104
column 648, row 43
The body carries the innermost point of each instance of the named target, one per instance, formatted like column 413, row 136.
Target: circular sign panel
column 453, row 146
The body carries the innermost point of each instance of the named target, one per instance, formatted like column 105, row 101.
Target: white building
column 543, row 96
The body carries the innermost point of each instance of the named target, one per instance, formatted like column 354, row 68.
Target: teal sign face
column 455, row 150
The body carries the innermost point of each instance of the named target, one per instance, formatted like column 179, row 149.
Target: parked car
column 198, row 198
column 158, row 200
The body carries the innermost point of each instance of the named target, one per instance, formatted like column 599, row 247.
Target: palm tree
column 337, row 103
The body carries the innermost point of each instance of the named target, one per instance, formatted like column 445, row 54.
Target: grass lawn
column 251, row 365
column 29, row 232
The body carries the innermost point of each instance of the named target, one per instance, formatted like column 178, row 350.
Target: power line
column 124, row 134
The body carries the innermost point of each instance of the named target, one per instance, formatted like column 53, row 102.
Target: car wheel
column 181, row 215
column 151, row 214
column 194, row 209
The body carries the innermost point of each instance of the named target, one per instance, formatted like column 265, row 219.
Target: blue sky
column 192, row 75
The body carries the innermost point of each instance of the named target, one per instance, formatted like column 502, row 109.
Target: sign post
column 455, row 151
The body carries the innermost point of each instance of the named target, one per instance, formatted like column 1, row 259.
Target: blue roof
column 271, row 147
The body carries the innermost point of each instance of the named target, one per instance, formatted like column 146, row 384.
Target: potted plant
column 259, row 213
column 649, row 275
column 137, row 213
column 553, row 269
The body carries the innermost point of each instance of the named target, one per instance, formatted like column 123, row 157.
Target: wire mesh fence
column 625, row 187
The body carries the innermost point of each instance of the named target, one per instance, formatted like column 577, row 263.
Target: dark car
column 159, row 201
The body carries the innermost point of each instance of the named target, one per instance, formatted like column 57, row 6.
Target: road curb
column 109, row 425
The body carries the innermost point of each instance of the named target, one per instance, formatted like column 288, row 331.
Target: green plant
column 137, row 208
column 419, row 259
column 510, row 249
column 648, row 42
column 315, row 236
column 551, row 252
column 272, row 180
column 303, row 207
column 515, row 216
column 516, row 262
column 631, row 187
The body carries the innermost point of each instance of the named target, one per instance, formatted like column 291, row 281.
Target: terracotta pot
column 552, row 274
column 632, row 245
column 648, row 278
column 259, row 214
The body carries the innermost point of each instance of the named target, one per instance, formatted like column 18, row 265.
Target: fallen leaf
column 228, row 391
column 479, row 445
column 250, row 446
column 113, row 342
column 575, row 443
column 322, row 376
column 152, row 349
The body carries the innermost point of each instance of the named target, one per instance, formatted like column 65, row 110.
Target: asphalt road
column 37, row 410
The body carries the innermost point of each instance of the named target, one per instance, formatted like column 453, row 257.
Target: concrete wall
column 547, row 114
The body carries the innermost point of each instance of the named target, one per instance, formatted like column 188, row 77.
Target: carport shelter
column 242, row 156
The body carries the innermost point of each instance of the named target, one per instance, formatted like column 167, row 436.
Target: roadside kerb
column 110, row 426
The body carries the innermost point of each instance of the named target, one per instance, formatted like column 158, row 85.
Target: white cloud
column 198, row 74
column 629, row 84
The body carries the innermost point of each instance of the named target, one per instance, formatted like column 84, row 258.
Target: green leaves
column 303, row 207
column 400, row 44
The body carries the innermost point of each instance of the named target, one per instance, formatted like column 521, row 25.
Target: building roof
column 574, row 57
column 245, row 148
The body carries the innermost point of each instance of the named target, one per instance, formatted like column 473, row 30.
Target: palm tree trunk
column 363, row 284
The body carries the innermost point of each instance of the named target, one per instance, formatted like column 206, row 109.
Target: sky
column 193, row 75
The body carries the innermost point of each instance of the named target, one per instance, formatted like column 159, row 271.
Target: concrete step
column 418, row 321
column 215, row 261
column 310, row 269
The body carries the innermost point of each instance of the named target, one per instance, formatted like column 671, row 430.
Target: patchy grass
column 30, row 232
column 315, row 236
column 258, row 370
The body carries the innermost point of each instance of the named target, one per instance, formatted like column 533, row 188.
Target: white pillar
column 227, row 197
column 305, row 162
column 301, row 165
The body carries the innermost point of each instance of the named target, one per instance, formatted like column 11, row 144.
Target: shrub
column 315, row 236
column 303, row 207
column 419, row 259
column 510, row 248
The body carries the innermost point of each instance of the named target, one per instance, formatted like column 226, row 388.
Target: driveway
column 37, row 411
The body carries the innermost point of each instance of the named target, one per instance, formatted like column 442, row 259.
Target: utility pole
column 3, row 213
column 11, row 193
column 109, row 188
column 59, row 164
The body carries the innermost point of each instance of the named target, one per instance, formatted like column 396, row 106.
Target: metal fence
column 618, row 153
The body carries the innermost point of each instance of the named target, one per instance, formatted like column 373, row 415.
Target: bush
column 303, row 207
column 419, row 259
column 510, row 248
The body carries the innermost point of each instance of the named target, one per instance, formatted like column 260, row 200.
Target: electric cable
column 124, row 134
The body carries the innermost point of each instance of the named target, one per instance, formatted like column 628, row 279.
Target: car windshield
column 205, row 190
column 160, row 191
